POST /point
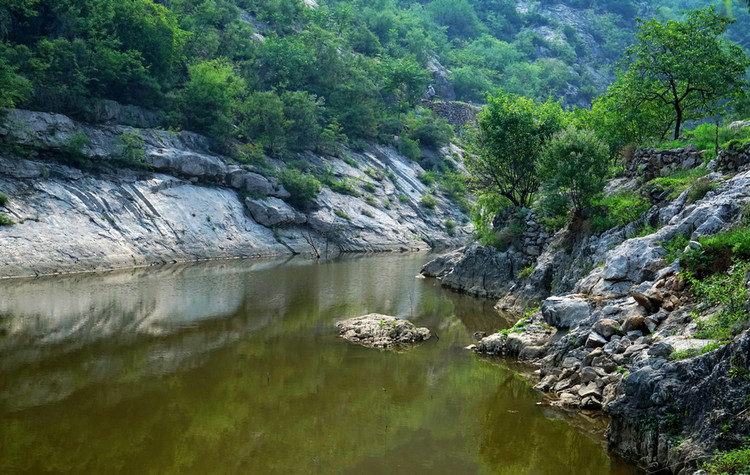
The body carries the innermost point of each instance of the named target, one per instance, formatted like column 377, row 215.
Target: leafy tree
column 264, row 121
column 575, row 163
column 683, row 67
column 210, row 100
column 14, row 88
column 512, row 131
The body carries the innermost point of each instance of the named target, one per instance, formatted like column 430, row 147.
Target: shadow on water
column 235, row 367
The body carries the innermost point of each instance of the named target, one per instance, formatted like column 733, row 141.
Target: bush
column 526, row 272
column 409, row 148
column 677, row 182
column 575, row 163
column 3, row 199
column 303, row 187
column 450, row 226
column 429, row 178
column 428, row 201
column 553, row 211
column 731, row 461
column 429, row 130
column 74, row 150
column 131, row 152
column 343, row 187
column 5, row 221
column 698, row 190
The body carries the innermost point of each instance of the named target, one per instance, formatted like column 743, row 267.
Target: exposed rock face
column 382, row 331
column 193, row 204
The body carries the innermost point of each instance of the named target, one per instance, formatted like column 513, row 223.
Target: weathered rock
column 634, row 322
column 382, row 331
column 661, row 349
column 565, row 312
column 606, row 327
column 595, row 340
column 273, row 212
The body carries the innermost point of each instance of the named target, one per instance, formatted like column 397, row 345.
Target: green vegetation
column 618, row 209
column 661, row 87
column 730, row 461
column 3, row 199
column 428, row 201
column 679, row 181
column 303, row 187
column 729, row 292
column 6, row 221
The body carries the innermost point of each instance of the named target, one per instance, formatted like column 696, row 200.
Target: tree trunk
column 678, row 122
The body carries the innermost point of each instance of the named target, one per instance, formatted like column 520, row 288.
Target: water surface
column 235, row 367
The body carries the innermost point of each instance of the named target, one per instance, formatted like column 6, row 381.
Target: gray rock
column 607, row 327
column 565, row 312
column 273, row 212
column 661, row 349
column 595, row 340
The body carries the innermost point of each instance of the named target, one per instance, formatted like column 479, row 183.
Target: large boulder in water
column 382, row 331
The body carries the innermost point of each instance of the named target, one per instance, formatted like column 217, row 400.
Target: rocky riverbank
column 78, row 207
column 611, row 325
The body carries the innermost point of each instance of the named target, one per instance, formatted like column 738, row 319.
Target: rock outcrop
column 613, row 314
column 382, row 331
column 184, row 202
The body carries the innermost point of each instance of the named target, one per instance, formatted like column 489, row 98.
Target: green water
column 235, row 367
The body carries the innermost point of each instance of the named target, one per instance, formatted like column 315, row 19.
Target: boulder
column 381, row 331
column 273, row 212
column 565, row 312
column 606, row 327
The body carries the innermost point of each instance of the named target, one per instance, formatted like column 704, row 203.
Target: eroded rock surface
column 382, row 331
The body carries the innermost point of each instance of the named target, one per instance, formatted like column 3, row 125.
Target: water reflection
column 234, row 367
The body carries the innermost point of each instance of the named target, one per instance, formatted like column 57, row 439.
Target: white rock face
column 193, row 204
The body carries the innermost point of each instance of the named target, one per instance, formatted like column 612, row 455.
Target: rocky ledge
column 382, row 331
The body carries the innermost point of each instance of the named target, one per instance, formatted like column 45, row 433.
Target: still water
column 235, row 367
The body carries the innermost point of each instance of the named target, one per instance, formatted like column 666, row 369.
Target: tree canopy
column 680, row 70
column 512, row 131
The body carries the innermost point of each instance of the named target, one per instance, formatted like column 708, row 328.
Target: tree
column 211, row 98
column 512, row 131
column 574, row 162
column 682, row 68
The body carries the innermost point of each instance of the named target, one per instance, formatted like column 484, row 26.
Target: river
column 236, row 367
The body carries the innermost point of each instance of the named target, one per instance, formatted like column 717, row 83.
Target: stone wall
column 457, row 114
column 651, row 163
column 734, row 158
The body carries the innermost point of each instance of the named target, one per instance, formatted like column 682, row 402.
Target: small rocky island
column 382, row 331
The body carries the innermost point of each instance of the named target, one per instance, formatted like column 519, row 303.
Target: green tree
column 512, row 131
column 14, row 88
column 575, row 163
column 683, row 67
column 211, row 98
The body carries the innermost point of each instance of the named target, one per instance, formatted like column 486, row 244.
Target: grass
column 341, row 214
column 6, row 221
column 526, row 272
column 693, row 352
column 3, row 199
column 676, row 182
column 619, row 209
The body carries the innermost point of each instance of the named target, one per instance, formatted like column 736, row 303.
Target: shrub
column 403, row 198
column 450, row 226
column 553, row 210
column 73, row 150
column 526, row 272
column 428, row 201
column 699, row 190
column 5, row 221
column 677, row 182
column 429, row 178
column 303, row 187
column 575, row 163
column 409, row 148
column 341, row 214
column 131, row 152
column 429, row 130
column 3, row 199
column 343, row 187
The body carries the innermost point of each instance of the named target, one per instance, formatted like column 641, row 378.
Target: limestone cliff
column 186, row 202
